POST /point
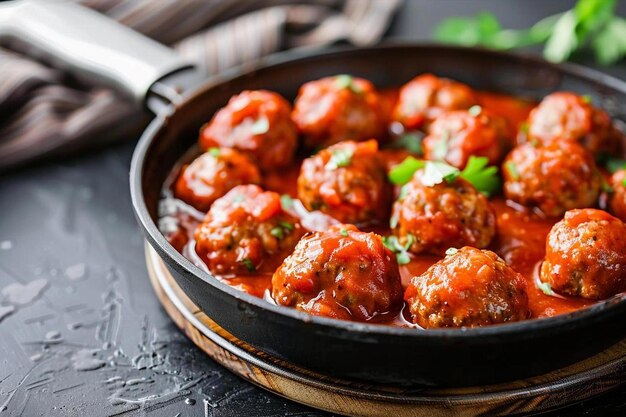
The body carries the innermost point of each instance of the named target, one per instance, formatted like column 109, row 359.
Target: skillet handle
column 87, row 44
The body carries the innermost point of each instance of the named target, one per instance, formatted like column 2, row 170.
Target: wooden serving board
column 583, row 380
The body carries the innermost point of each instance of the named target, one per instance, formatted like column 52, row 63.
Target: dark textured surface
column 81, row 332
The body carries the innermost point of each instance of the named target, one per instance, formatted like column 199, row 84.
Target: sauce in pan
column 516, row 228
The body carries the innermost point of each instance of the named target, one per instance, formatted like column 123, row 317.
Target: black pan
column 373, row 353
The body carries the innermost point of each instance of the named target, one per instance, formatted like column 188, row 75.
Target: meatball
column 468, row 288
column 568, row 116
column 434, row 218
column 347, row 181
column 427, row 96
column 338, row 108
column 213, row 174
column 617, row 198
column 243, row 228
column 342, row 273
column 586, row 255
column 455, row 136
column 554, row 178
column 257, row 123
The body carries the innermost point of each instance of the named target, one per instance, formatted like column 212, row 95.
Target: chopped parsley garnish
column 215, row 152
column 623, row 182
column 614, row 164
column 606, row 187
column 260, row 126
column 277, row 232
column 474, row 110
column 545, row 287
column 403, row 172
column 344, row 232
column 523, row 127
column 340, row 158
column 247, row 262
column 401, row 251
column 451, row 251
column 286, row 225
column 485, row 178
column 403, row 192
column 412, row 142
column 347, row 81
column 586, row 98
column 286, row 202
column 512, row 170
column 393, row 221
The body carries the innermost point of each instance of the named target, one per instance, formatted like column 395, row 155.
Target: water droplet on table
column 21, row 294
column 6, row 245
column 76, row 272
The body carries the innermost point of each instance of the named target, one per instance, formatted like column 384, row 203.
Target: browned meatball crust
column 342, row 273
column 426, row 96
column 554, row 178
column 469, row 287
column 257, row 123
column 243, row 229
column 213, row 174
column 455, row 136
column 347, row 181
column 586, row 255
column 567, row 116
column 339, row 108
column 435, row 218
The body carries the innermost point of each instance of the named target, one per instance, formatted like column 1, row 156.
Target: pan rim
column 156, row 239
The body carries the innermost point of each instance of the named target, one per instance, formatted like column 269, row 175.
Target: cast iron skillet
column 373, row 353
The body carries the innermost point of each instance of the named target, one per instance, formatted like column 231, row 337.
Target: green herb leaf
column 436, row 172
column 586, row 98
column 451, row 251
column 563, row 40
column 260, row 126
column 288, row 226
column 344, row 232
column 544, row 287
column 610, row 43
column 484, row 178
column 402, row 255
column 412, row 142
column 403, row 192
column 606, row 187
column 247, row 262
column 286, row 202
column 347, row 81
column 474, row 110
column 512, row 170
column 339, row 158
column 393, row 221
column 403, row 172
column 615, row 164
column 215, row 152
column 277, row 232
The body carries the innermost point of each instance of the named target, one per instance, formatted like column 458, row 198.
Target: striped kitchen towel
column 44, row 112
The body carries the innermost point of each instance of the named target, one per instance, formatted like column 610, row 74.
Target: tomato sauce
column 520, row 238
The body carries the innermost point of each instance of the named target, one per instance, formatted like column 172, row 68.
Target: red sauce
column 520, row 238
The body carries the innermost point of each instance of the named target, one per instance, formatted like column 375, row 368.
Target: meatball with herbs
column 553, row 178
column 617, row 196
column 426, row 96
column 468, row 288
column 341, row 273
column 257, row 123
column 245, row 228
column 455, row 136
column 213, row 174
column 348, row 181
column 586, row 255
column 430, row 218
column 339, row 108
column 568, row 116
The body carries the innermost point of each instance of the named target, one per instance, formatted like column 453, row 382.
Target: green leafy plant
column 590, row 24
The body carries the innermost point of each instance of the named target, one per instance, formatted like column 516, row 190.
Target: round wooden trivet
column 585, row 379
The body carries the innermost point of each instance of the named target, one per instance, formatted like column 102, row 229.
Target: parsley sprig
column 485, row 178
column 590, row 24
column 401, row 251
